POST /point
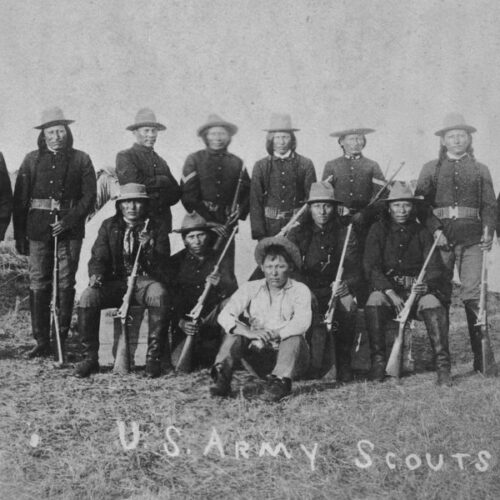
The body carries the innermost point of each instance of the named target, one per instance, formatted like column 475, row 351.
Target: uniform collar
column 330, row 225
column 287, row 155
column 142, row 148
column 410, row 226
column 218, row 152
column 454, row 158
column 353, row 156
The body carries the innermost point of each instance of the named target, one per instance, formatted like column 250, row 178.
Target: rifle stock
column 184, row 361
column 123, row 358
column 393, row 367
column 54, row 309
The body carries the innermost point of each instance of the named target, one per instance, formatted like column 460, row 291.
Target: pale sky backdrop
column 396, row 65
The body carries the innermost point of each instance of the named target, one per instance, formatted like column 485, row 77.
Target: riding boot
column 88, row 331
column 376, row 320
column 471, row 309
column 66, row 302
column 158, row 319
column 436, row 322
column 344, row 341
column 40, row 322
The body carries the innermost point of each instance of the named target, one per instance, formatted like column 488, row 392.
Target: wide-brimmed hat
column 214, row 120
column 401, row 191
column 132, row 191
column 290, row 248
column 455, row 121
column 322, row 192
column 53, row 116
column 352, row 131
column 193, row 221
column 281, row 122
column 146, row 118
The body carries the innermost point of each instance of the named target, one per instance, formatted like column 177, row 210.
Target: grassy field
column 60, row 436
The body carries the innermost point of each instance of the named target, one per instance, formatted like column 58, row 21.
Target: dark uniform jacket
column 321, row 250
column 395, row 250
column 355, row 181
column 142, row 165
column 67, row 176
column 209, row 181
column 186, row 279
column 107, row 260
column 460, row 183
column 281, row 184
column 5, row 198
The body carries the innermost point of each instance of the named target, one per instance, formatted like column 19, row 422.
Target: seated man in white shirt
column 267, row 317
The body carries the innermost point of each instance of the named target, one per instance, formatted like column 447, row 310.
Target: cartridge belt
column 456, row 213
column 51, row 204
column 276, row 213
column 346, row 211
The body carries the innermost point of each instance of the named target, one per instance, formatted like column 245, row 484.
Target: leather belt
column 215, row 207
column 51, row 204
column 346, row 211
column 276, row 213
column 404, row 281
column 456, row 213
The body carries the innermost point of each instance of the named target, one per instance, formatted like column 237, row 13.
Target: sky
column 396, row 66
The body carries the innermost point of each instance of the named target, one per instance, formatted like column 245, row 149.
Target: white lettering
column 460, row 459
column 311, row 455
column 439, row 465
column 132, row 445
column 215, row 441
column 392, row 462
column 364, row 454
column 241, row 449
column 413, row 461
column 266, row 448
column 483, row 456
column 175, row 452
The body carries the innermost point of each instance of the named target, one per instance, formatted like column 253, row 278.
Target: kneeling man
column 272, row 316
column 113, row 256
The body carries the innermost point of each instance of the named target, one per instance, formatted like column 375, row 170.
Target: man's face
column 456, row 141
column 197, row 242
column 400, row 211
column 146, row 136
column 217, row 138
column 353, row 143
column 322, row 212
column 276, row 271
column 282, row 142
column 56, row 137
column 133, row 210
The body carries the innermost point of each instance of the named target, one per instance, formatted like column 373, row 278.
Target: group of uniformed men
column 273, row 324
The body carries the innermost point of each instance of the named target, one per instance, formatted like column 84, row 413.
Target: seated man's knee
column 91, row 297
column 429, row 301
column 377, row 298
column 156, row 295
column 347, row 304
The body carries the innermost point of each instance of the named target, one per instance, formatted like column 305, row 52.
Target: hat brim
column 230, row 127
column 289, row 247
column 281, row 129
column 413, row 198
column 467, row 128
column 352, row 131
column 132, row 197
column 156, row 125
column 186, row 230
column 323, row 200
column 53, row 123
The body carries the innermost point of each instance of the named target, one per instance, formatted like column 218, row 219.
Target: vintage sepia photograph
column 249, row 249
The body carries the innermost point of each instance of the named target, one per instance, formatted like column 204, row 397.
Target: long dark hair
column 270, row 137
column 42, row 145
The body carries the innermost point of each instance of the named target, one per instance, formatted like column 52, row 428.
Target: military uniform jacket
column 67, row 176
column 321, row 250
column 142, row 165
column 356, row 181
column 5, row 198
column 107, row 259
column 281, row 184
column 209, row 181
column 460, row 183
column 186, row 279
column 395, row 250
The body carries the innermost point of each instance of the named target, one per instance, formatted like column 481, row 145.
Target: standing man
column 356, row 180
column 188, row 272
column 5, row 198
column 280, row 182
column 112, row 261
column 141, row 164
column 396, row 249
column 54, row 181
column 460, row 191
column 270, row 316
column 320, row 239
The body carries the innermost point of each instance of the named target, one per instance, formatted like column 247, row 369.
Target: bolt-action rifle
column 54, row 303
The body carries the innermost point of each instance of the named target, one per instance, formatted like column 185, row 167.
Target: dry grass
column 79, row 454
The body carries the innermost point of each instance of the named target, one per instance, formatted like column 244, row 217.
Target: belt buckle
column 55, row 204
column 454, row 213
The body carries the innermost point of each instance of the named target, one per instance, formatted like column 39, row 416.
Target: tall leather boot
column 344, row 341
column 376, row 320
column 88, row 331
column 471, row 309
column 436, row 322
column 40, row 322
column 158, row 320
column 66, row 302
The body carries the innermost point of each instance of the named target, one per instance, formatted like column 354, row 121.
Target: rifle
column 393, row 367
column 234, row 207
column 488, row 365
column 122, row 358
column 54, row 307
column 386, row 185
column 184, row 361
column 328, row 319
